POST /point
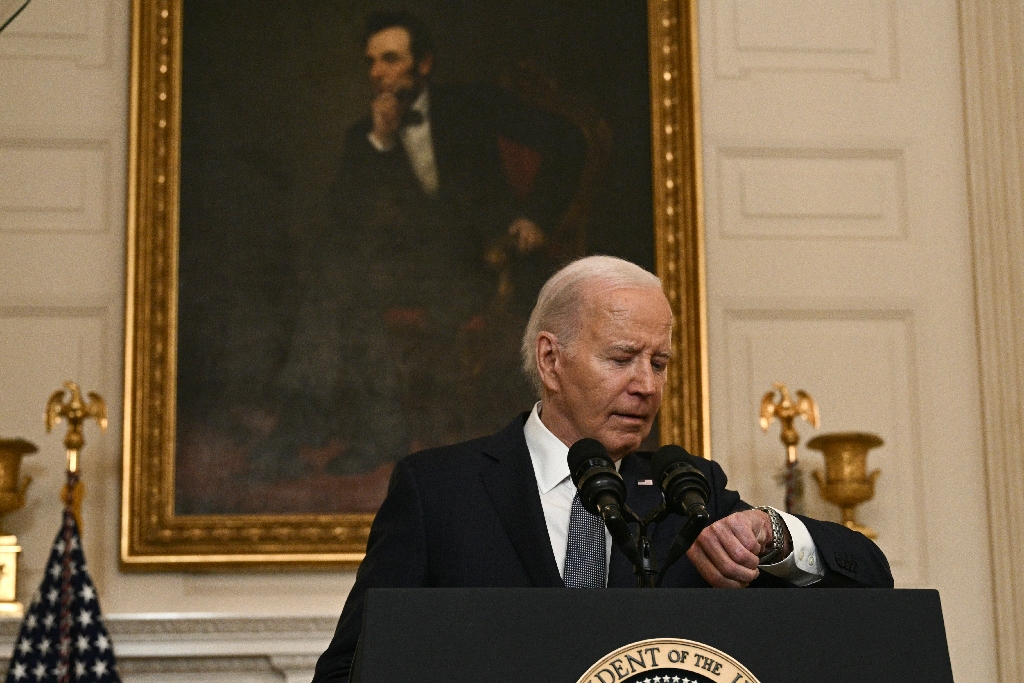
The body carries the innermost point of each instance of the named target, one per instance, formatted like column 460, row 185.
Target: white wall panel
column 805, row 35
column 811, row 193
column 54, row 188
column 60, row 29
column 858, row 366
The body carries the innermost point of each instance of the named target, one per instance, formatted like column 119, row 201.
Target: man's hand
column 527, row 234
column 387, row 114
column 726, row 553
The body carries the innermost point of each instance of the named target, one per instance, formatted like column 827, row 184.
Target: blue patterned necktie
column 584, row 551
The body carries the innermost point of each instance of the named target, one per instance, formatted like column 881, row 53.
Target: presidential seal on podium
column 667, row 660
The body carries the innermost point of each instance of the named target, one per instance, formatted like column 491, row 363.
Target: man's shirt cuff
column 803, row 566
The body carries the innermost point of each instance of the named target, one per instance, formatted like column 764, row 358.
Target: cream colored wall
column 838, row 261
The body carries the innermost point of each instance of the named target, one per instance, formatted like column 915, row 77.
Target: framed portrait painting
column 340, row 215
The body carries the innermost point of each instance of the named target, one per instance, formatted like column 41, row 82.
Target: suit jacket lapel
column 512, row 487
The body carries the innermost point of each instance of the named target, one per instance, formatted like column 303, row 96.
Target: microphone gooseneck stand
column 638, row 551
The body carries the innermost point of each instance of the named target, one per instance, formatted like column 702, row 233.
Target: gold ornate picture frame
column 153, row 535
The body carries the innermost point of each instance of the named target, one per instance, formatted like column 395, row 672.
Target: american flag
column 62, row 638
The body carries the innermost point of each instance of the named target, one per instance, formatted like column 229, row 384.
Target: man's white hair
column 561, row 300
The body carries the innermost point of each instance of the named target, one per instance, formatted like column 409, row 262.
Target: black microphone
column 686, row 493
column 601, row 490
column 686, row 489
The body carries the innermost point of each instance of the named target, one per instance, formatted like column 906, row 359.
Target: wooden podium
column 806, row 635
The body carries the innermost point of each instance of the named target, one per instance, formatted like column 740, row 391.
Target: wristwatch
column 776, row 549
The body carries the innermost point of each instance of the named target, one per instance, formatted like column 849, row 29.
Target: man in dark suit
column 500, row 511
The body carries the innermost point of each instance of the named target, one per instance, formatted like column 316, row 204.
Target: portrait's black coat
column 402, row 319
column 470, row 515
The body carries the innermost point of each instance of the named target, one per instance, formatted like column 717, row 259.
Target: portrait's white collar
column 421, row 104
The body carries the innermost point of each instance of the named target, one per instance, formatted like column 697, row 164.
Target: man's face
column 608, row 384
column 392, row 67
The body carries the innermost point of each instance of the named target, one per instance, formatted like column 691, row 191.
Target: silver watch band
column 776, row 548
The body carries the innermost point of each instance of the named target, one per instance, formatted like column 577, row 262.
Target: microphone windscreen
column 663, row 458
column 586, row 449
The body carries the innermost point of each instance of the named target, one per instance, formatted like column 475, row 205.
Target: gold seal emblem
column 667, row 660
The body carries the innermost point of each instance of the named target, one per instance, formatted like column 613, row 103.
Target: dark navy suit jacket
column 470, row 515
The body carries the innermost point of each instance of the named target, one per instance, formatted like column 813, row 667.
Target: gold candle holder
column 846, row 481
column 12, row 497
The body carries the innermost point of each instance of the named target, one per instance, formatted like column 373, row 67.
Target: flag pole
column 62, row 637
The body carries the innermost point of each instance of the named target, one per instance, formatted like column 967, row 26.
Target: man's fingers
column 744, row 526
column 729, row 576
column 725, row 545
column 386, row 114
column 727, row 557
column 726, row 553
column 528, row 234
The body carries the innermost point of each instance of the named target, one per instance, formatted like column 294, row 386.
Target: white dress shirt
column 418, row 144
column 549, row 457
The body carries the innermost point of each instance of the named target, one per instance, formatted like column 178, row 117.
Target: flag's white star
column 74, row 543
column 87, row 593
column 65, row 645
column 657, row 679
column 18, row 671
column 102, row 644
column 43, row 646
column 24, row 646
column 55, row 570
column 675, row 679
column 79, row 668
column 85, row 618
column 52, row 596
column 99, row 668
column 60, row 670
column 31, row 621
column 59, row 547
column 39, row 671
column 49, row 620
column 82, row 643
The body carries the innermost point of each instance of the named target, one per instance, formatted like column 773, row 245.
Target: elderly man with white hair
column 503, row 511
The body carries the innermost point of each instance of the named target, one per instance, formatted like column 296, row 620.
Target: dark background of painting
column 269, row 90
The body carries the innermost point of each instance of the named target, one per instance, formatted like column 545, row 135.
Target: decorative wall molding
column 859, row 365
column 857, row 36
column 812, row 193
column 54, row 186
column 992, row 33
column 195, row 647
column 77, row 30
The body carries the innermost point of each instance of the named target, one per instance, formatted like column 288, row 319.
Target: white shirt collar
column 422, row 104
column 547, row 452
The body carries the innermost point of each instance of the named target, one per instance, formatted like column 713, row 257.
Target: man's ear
column 549, row 361
column 425, row 65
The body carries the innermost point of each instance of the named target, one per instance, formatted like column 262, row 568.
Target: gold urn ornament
column 846, row 481
column 12, row 497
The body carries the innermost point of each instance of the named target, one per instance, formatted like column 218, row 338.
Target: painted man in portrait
column 445, row 202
